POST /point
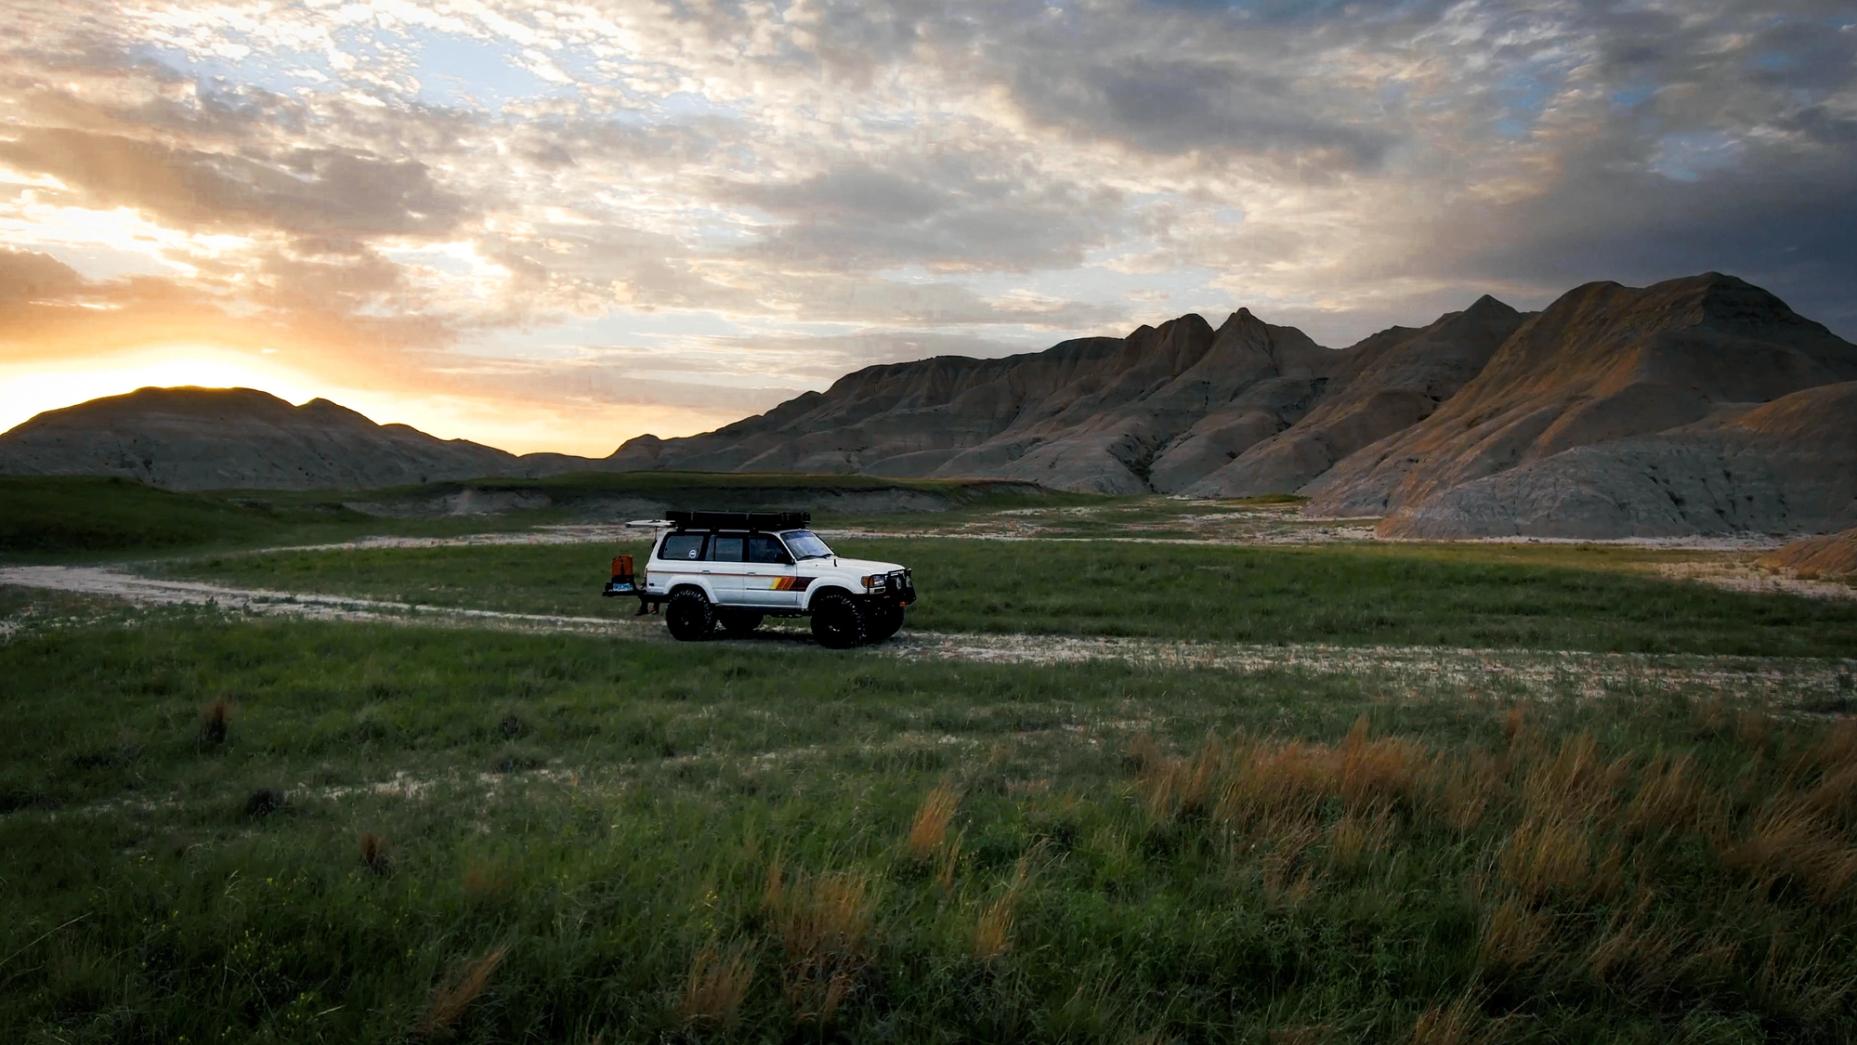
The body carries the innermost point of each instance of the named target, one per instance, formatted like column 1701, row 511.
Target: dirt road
column 1402, row 669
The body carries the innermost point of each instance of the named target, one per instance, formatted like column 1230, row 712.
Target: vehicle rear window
column 765, row 547
column 726, row 547
column 682, row 546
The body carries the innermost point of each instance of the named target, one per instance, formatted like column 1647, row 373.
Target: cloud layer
column 601, row 212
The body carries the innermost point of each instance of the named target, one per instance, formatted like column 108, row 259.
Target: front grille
column 899, row 583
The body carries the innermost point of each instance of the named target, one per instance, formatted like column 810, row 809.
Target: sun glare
column 26, row 390
column 568, row 426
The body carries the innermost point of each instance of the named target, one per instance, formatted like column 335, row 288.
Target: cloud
column 27, row 276
column 834, row 182
column 947, row 211
column 307, row 191
column 1171, row 105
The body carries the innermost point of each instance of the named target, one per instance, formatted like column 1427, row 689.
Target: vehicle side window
column 726, row 547
column 682, row 546
column 766, row 548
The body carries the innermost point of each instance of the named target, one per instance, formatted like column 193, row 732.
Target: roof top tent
column 738, row 520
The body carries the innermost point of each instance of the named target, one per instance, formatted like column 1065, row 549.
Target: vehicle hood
column 857, row 566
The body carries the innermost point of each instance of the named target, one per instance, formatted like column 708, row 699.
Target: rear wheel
column 885, row 620
column 838, row 622
column 740, row 622
column 689, row 615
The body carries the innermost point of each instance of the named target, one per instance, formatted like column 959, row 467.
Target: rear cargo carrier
column 738, row 520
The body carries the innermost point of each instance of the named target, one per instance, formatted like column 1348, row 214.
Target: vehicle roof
column 733, row 529
column 720, row 520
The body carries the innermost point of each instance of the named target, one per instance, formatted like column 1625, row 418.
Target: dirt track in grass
column 1405, row 669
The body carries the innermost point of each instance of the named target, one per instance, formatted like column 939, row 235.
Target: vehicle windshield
column 804, row 544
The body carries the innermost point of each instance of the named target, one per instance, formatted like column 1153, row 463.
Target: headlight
column 871, row 581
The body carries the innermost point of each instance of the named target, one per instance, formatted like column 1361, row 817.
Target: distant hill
column 1617, row 411
column 1698, row 405
column 1701, row 405
column 200, row 438
column 1171, row 408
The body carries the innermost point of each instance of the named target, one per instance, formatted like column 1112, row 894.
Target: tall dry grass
column 928, row 832
column 716, row 986
column 823, row 923
column 450, row 1001
column 1515, row 935
column 993, row 928
column 1670, row 797
column 1459, row 1022
column 1790, row 845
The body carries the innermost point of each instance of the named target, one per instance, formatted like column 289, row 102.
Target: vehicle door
column 769, row 577
column 726, row 551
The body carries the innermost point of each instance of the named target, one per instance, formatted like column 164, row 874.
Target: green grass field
column 416, row 835
column 215, row 828
column 58, row 518
column 1483, row 596
column 62, row 519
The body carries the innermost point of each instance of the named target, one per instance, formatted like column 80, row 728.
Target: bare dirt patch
column 1751, row 577
column 1409, row 668
column 144, row 591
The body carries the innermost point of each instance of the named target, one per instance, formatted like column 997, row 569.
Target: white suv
column 737, row 568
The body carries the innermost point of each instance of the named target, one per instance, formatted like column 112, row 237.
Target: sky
column 557, row 224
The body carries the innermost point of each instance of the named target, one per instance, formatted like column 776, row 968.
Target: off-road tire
column 838, row 622
column 885, row 621
column 740, row 623
column 689, row 616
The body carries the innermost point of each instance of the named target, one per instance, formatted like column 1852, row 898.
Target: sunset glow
column 569, row 426
column 549, row 225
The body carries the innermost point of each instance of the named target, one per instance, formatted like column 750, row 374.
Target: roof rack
column 738, row 520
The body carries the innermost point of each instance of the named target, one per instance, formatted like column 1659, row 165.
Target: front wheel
column 838, row 622
column 886, row 619
column 689, row 615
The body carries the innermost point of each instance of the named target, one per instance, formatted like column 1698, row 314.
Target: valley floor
column 1189, row 786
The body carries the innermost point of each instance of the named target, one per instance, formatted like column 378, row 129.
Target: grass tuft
column 1790, row 846
column 374, row 854
column 1515, row 935
column 947, row 862
column 1356, row 838
column 823, row 922
column 214, row 723
column 716, row 986
column 1459, row 1022
column 1634, row 952
column 928, row 832
column 993, row 928
column 450, row 1001
column 1670, row 797
column 1553, row 856
column 1383, row 771
column 264, row 801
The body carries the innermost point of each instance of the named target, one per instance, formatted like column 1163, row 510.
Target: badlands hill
column 1246, row 408
column 1700, row 405
column 197, row 439
column 1697, row 405
column 1831, row 556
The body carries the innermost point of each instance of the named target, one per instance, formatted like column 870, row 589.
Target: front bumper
column 897, row 587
